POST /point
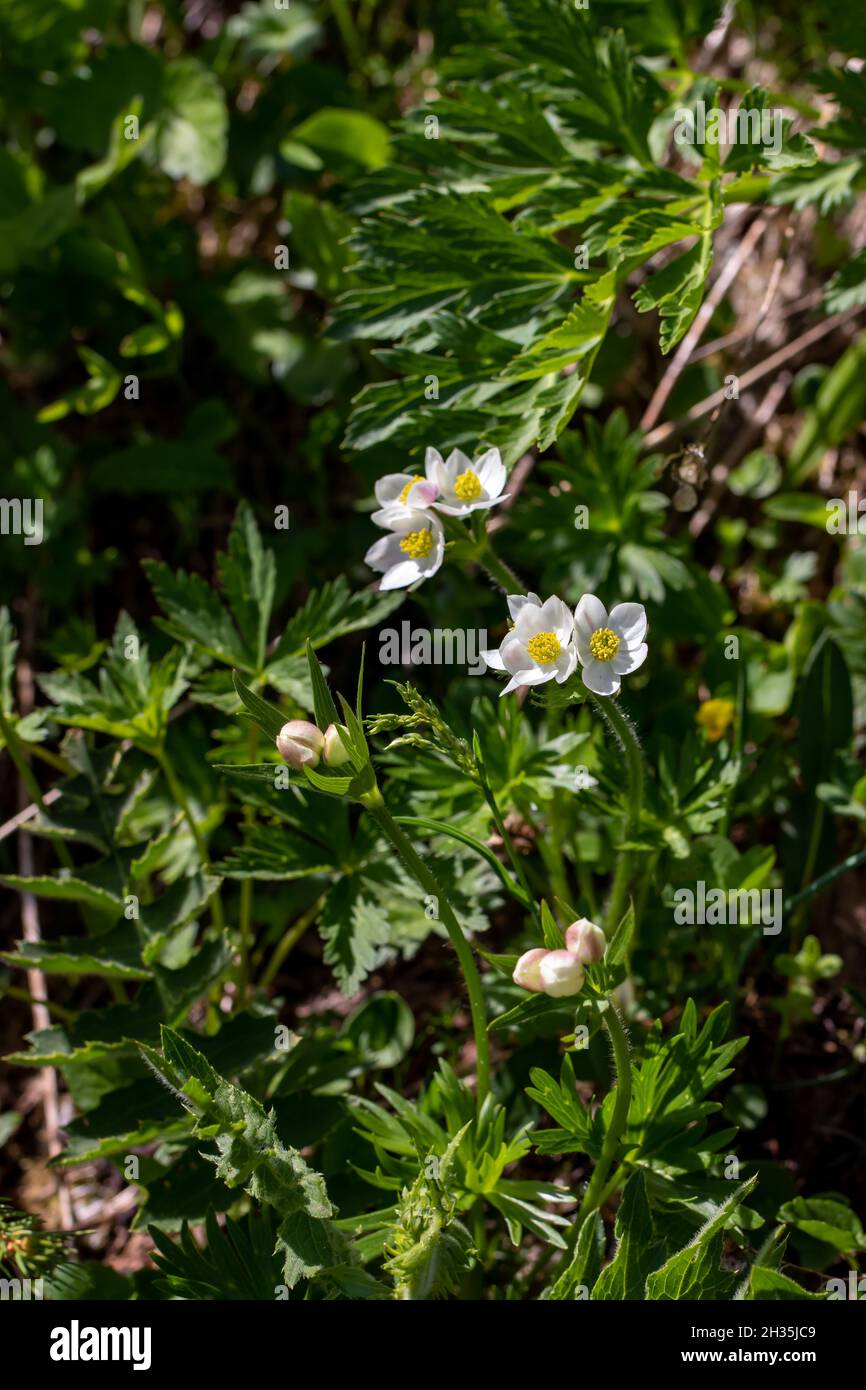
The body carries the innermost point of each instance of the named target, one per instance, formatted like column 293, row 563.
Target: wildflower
column 463, row 486
column 300, row 743
column 609, row 645
column 714, row 717
column 335, row 750
column 539, row 647
column 413, row 551
column 399, row 493
column 561, row 974
column 586, row 941
column 527, row 970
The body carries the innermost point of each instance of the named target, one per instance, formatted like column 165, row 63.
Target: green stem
column 513, row 856
column 499, row 572
column 291, row 938
column 627, row 737
column 599, row 1188
column 25, row 772
column 13, row 992
column 427, row 880
column 852, row 862
column 811, row 856
column 180, row 798
column 246, row 896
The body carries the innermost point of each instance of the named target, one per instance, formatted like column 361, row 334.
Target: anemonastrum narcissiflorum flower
column 539, row 647
column 413, row 550
column 609, row 645
column 463, row 486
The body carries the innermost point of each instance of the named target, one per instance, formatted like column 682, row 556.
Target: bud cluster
column 560, row 973
column 302, row 744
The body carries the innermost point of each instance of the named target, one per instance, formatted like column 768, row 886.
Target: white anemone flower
column 609, row 645
column 539, row 647
column 463, row 486
column 414, row 549
column 400, row 493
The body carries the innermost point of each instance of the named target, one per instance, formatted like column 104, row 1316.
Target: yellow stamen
column 714, row 717
column 467, row 486
column 404, row 495
column 604, row 644
column 417, row 544
column 544, row 648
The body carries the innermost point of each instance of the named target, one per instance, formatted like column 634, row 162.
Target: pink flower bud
column 300, row 743
column 526, row 971
column 586, row 941
column 561, row 974
column 335, row 750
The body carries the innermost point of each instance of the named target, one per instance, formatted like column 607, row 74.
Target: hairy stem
column 627, row 738
column 599, row 1188
column 427, row 880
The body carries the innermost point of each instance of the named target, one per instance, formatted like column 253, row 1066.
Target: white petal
column 565, row 665
column 389, row 488
column 400, row 576
column 515, row 655
column 581, row 642
column 534, row 677
column 494, row 660
column 557, row 617
column 590, row 614
column 598, row 677
column 491, row 472
column 628, row 620
column 433, row 462
column 379, row 555
column 518, row 601
column 629, row 659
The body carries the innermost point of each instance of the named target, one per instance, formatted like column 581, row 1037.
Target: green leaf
column 269, row 719
column 192, row 129
column 826, row 710
column 694, row 1272
column 635, row 1256
column 323, row 702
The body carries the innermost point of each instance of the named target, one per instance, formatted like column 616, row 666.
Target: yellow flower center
column 714, row 717
column 404, row 495
column 544, row 648
column 417, row 544
column 604, row 644
column 467, row 486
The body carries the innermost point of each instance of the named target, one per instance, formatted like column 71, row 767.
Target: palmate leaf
column 238, row 1261
column 694, row 1272
column 635, row 1256
column 250, row 1155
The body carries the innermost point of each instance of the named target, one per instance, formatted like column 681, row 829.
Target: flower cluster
column 547, row 641
column 560, row 973
column 410, row 505
column 302, row 744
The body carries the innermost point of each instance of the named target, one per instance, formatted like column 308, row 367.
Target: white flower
column 300, row 743
column 609, row 645
column 414, row 550
column 463, row 486
column 400, row 493
column 527, row 970
column 561, row 974
column 539, row 647
column 586, row 941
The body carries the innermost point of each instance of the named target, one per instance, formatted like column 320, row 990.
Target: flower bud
column 335, row 749
column 526, row 971
column 300, row 743
column 586, row 941
column 561, row 974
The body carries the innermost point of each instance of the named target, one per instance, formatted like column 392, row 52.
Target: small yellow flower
column 714, row 717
